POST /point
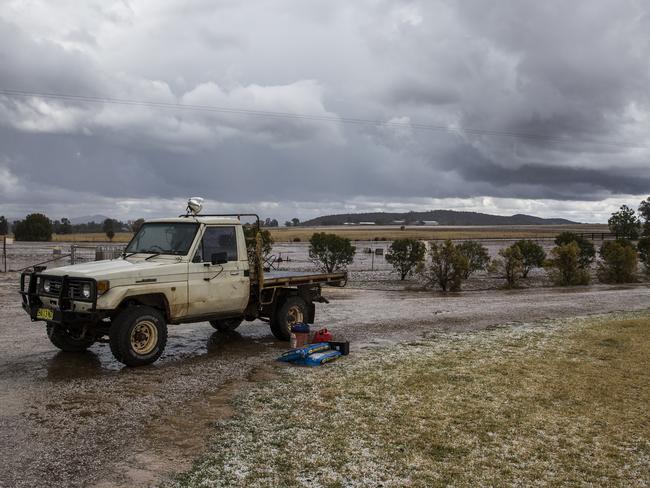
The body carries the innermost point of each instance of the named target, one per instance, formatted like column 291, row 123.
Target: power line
column 308, row 117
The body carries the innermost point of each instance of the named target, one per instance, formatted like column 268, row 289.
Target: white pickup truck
column 186, row 269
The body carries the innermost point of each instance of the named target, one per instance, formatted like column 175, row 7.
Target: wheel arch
column 154, row 300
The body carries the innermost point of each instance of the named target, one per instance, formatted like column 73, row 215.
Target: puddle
column 66, row 365
column 183, row 345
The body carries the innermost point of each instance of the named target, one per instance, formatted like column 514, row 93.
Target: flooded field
column 84, row 420
column 370, row 270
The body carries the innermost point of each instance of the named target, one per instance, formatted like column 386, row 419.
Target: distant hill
column 88, row 218
column 442, row 217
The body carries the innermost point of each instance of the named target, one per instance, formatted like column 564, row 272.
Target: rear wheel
column 226, row 325
column 293, row 311
column 138, row 335
column 69, row 340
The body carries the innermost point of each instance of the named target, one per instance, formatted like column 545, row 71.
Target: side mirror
column 220, row 257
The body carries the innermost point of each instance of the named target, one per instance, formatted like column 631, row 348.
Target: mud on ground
column 84, row 420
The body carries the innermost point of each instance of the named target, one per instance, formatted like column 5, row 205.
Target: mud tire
column 65, row 341
column 226, row 325
column 292, row 311
column 138, row 335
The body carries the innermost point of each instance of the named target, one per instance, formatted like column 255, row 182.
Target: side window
column 219, row 239
column 198, row 255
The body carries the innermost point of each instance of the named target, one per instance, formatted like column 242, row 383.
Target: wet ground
column 84, row 420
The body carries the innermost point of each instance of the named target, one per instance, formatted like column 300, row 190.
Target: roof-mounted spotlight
column 194, row 205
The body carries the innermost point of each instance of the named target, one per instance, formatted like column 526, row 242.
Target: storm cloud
column 509, row 106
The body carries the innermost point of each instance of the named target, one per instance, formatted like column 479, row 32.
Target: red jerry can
column 323, row 335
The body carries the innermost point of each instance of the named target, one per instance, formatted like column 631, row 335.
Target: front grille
column 75, row 288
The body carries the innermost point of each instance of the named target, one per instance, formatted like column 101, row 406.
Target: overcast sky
column 573, row 75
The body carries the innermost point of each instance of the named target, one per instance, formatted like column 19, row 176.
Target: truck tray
column 293, row 278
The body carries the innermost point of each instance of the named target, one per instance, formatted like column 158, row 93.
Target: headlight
column 85, row 291
column 46, row 286
column 103, row 286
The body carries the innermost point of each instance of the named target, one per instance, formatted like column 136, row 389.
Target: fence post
column 73, row 250
column 4, row 252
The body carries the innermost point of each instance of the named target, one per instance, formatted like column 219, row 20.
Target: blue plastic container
column 300, row 328
column 319, row 358
column 303, row 352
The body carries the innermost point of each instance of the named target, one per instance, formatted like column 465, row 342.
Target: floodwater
column 84, row 420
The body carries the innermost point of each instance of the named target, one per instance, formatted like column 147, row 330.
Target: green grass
column 558, row 403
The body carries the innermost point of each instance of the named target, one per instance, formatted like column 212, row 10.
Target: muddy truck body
column 185, row 269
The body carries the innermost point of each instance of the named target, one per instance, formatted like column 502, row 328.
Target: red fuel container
column 323, row 335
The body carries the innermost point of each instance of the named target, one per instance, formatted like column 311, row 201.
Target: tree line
column 38, row 227
column 448, row 264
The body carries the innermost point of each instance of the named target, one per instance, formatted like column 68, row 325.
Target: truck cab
column 186, row 269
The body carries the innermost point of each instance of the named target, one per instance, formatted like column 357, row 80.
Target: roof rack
column 238, row 215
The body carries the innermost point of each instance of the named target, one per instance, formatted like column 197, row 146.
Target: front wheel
column 138, row 336
column 293, row 311
column 226, row 325
column 69, row 340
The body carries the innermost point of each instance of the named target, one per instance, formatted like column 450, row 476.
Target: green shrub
column 618, row 262
column 510, row 265
column 624, row 223
column 476, row 254
column 644, row 211
column 533, row 256
column 586, row 249
column 564, row 266
column 446, row 268
column 330, row 252
column 405, row 255
column 643, row 247
column 109, row 226
column 250, row 233
column 35, row 227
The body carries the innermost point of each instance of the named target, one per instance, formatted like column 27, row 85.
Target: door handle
column 234, row 273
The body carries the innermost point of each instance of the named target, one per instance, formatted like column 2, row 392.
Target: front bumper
column 66, row 307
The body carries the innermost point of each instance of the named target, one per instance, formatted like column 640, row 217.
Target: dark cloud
column 421, row 93
column 564, row 92
column 549, row 180
column 33, row 64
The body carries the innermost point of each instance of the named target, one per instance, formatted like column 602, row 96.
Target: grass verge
column 556, row 403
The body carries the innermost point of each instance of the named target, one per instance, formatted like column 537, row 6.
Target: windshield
column 163, row 238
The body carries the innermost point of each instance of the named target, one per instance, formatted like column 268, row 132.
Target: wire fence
column 18, row 256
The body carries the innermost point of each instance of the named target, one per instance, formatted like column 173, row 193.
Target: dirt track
column 83, row 420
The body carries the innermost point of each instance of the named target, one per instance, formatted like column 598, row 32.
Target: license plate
column 45, row 314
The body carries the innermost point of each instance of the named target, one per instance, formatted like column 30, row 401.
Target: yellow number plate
column 45, row 314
